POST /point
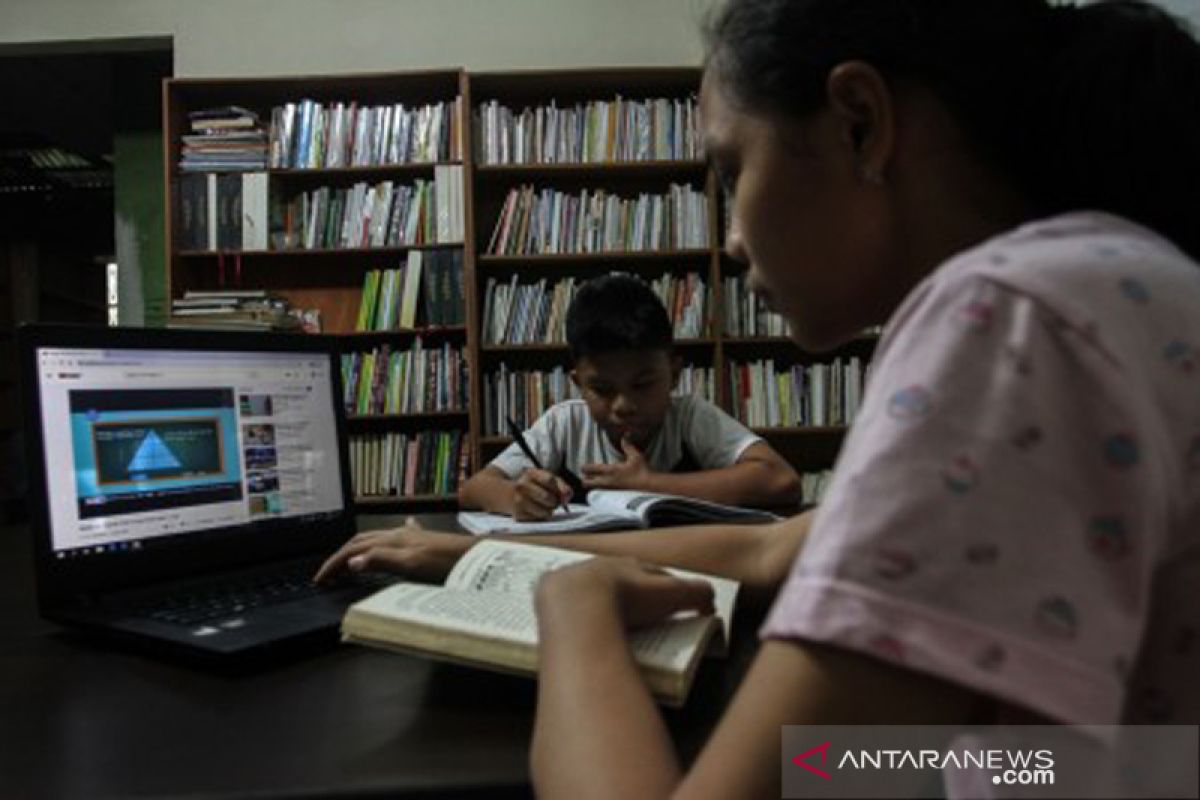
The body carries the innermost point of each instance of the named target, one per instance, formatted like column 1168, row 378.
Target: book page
column 510, row 617
column 492, row 566
column 650, row 508
column 498, row 616
column 671, row 645
column 621, row 502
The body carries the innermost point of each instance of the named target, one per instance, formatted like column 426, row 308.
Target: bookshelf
column 601, row 206
column 564, row 172
column 412, row 130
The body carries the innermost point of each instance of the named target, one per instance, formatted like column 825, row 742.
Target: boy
column 628, row 431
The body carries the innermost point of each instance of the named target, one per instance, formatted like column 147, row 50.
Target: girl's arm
column 757, row 556
column 599, row 734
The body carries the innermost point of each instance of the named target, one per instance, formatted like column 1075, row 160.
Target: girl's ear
column 864, row 110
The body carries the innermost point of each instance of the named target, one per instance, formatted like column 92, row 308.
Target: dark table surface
column 80, row 718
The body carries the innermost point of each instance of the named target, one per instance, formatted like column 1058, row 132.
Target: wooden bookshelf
column 330, row 279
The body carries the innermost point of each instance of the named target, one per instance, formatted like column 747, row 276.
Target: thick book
column 616, row 509
column 483, row 616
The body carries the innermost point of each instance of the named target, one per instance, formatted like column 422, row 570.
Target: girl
column 1013, row 531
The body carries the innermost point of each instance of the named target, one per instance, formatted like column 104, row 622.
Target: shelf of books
column 338, row 204
column 802, row 403
column 439, row 223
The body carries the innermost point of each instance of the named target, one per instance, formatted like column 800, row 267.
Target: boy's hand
column 411, row 551
column 631, row 473
column 537, row 493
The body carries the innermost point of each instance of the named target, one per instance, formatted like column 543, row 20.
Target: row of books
column 425, row 291
column 746, row 314
column 248, row 309
column 699, row 381
column 223, row 139
column 516, row 314
column 765, row 396
column 686, row 300
column 813, row 486
column 399, row 464
column 534, row 222
column 655, row 129
column 227, row 211
column 311, row 135
column 524, row 395
column 418, row 380
column 382, row 215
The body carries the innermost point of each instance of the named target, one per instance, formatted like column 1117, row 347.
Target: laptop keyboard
column 197, row 604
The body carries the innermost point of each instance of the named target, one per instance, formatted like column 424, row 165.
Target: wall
column 265, row 37
column 262, row 37
column 275, row 37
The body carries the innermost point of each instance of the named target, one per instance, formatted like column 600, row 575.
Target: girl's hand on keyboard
column 410, row 550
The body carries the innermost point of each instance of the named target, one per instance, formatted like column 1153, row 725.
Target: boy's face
column 628, row 392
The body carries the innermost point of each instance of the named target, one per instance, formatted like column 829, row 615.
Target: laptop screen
column 143, row 447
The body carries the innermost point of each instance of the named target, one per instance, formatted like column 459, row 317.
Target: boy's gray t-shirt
column 567, row 436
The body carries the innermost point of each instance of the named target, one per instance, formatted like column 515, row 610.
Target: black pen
column 519, row 438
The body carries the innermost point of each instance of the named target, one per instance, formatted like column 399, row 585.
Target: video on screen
column 145, row 450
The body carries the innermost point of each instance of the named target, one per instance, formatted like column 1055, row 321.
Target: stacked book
column 534, row 222
column 746, row 313
column 657, row 129
column 803, row 395
column 419, row 380
column 224, row 139
column 312, row 135
column 381, row 215
column 699, row 381
column 522, row 395
column 425, row 291
column 399, row 464
column 242, row 309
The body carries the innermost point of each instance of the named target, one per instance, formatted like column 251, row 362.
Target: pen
column 519, row 438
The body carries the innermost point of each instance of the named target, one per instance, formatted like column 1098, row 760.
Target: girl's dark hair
column 616, row 313
column 1089, row 107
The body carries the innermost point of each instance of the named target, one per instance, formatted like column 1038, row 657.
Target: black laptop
column 185, row 484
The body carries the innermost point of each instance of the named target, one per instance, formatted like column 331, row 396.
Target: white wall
column 277, row 37
column 1188, row 9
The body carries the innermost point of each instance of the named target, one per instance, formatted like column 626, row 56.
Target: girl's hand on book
column 537, row 493
column 640, row 594
column 410, row 550
column 632, row 473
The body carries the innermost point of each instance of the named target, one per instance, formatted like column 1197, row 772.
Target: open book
column 614, row 510
column 483, row 616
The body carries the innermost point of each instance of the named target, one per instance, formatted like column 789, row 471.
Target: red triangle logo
column 823, row 749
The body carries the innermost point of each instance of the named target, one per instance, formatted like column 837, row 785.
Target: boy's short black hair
column 616, row 312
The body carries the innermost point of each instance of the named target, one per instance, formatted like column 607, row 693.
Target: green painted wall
column 138, row 198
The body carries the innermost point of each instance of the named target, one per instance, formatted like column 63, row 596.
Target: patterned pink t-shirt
column 1017, row 507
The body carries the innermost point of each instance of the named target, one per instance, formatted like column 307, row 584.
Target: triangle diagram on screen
column 153, row 455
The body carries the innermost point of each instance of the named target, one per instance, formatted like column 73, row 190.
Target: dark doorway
column 65, row 111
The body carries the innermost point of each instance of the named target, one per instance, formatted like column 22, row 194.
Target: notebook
column 185, row 484
column 618, row 510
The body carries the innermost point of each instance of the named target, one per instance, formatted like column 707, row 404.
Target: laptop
column 184, row 485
